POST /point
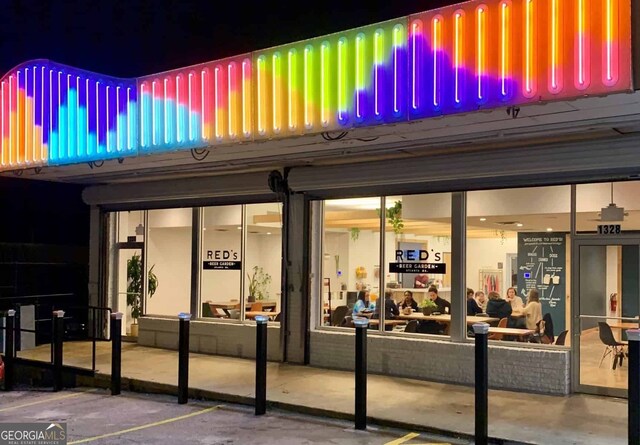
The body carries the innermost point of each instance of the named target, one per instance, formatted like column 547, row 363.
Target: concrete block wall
column 520, row 369
column 230, row 339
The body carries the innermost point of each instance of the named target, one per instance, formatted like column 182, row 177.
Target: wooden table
column 623, row 325
column 516, row 332
column 254, row 314
column 376, row 322
column 445, row 318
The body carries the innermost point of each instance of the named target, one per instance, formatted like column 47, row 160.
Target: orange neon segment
column 481, row 56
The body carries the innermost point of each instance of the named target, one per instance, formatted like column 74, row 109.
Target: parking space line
column 148, row 425
column 403, row 439
column 48, row 399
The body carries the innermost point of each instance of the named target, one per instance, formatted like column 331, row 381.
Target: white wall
column 486, row 253
column 265, row 251
column 169, row 249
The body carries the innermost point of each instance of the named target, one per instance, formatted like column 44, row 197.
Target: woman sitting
column 362, row 304
column 408, row 302
column 497, row 307
column 532, row 312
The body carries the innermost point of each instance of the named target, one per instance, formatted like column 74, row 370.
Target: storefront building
column 484, row 146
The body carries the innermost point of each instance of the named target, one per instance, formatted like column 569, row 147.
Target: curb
column 143, row 386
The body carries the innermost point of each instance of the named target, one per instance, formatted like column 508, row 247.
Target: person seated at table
column 532, row 311
column 444, row 307
column 472, row 305
column 481, row 299
column 516, row 305
column 497, row 307
column 390, row 309
column 362, row 303
column 408, row 301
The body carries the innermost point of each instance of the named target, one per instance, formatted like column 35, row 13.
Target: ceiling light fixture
column 483, row 219
column 239, row 227
column 268, row 233
column 549, row 229
column 519, row 224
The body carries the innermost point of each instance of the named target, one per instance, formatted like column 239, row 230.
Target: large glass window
column 351, row 259
column 418, row 263
column 518, row 254
column 169, row 262
column 411, row 280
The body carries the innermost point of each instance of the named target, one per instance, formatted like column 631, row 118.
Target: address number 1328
column 609, row 229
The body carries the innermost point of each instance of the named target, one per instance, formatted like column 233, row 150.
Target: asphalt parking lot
column 95, row 417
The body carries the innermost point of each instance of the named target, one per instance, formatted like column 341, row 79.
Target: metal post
column 116, row 353
column 261, row 364
column 633, row 402
column 58, row 341
column 361, row 372
column 9, row 349
column 481, row 331
column 183, row 358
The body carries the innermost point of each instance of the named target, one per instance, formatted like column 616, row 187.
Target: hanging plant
column 355, row 233
column 394, row 217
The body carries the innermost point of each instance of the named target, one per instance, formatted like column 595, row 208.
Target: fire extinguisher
column 613, row 302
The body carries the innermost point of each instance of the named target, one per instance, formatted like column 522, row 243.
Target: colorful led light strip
column 324, row 83
column 415, row 28
column 528, row 69
column 261, row 96
column 217, row 101
column 276, row 91
column 246, row 98
column 481, row 51
column 342, row 77
column 308, row 71
column 555, row 23
column 292, row 70
column 505, row 53
column 359, row 72
column 437, row 48
column 457, row 55
column 378, row 48
column 231, row 112
column 397, row 44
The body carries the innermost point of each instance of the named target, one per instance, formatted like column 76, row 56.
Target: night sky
column 130, row 38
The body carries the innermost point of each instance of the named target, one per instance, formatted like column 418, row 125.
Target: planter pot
column 134, row 330
column 251, row 299
column 427, row 310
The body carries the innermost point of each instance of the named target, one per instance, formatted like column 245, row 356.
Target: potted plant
column 134, row 288
column 258, row 283
column 428, row 306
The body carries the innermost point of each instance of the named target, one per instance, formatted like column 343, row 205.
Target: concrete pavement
column 521, row 417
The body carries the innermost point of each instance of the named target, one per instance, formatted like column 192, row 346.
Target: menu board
column 542, row 266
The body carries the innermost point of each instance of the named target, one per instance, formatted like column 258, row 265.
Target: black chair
column 612, row 346
column 561, row 338
column 412, row 327
column 338, row 314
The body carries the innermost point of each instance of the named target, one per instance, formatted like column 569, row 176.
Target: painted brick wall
column 532, row 370
column 229, row 339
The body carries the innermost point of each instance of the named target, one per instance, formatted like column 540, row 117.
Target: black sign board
column 222, row 265
column 439, row 268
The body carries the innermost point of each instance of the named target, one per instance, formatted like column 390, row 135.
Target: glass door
column 607, row 285
column 122, row 254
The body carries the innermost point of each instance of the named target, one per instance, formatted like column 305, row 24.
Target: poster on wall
column 542, row 266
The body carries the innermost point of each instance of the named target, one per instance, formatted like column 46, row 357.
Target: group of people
column 518, row 314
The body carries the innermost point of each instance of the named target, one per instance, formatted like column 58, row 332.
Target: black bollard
column 633, row 402
column 116, row 353
column 58, row 342
column 261, row 364
column 183, row 358
column 9, row 349
column 361, row 372
column 481, row 331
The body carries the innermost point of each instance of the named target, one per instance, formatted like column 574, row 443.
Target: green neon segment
column 360, row 62
column 343, row 71
column 325, row 85
column 309, row 90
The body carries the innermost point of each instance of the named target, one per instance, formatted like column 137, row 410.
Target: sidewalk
column 529, row 418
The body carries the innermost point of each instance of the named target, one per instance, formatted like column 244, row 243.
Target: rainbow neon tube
column 54, row 114
column 481, row 54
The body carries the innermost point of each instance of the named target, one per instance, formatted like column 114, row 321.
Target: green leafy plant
column 394, row 217
column 427, row 303
column 134, row 285
column 258, row 283
column 355, row 233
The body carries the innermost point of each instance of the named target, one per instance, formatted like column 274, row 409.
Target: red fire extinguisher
column 613, row 302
